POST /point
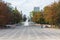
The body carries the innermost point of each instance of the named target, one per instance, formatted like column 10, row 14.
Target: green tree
column 38, row 17
column 8, row 15
column 17, row 16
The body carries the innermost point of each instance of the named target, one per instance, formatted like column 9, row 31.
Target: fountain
column 26, row 23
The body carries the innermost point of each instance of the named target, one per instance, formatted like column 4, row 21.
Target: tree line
column 8, row 15
column 49, row 15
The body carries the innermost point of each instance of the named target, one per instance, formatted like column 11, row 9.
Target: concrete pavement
column 30, row 33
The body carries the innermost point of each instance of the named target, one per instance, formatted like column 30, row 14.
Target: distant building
column 21, row 12
column 36, row 9
column 0, row 0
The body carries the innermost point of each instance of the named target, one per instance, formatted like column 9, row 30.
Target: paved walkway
column 29, row 33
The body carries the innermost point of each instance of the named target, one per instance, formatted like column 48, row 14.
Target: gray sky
column 28, row 5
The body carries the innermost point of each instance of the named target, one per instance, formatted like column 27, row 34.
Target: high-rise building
column 0, row 0
column 36, row 9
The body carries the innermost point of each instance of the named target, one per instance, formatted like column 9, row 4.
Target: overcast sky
column 28, row 5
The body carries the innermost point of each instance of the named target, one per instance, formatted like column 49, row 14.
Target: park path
column 29, row 33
